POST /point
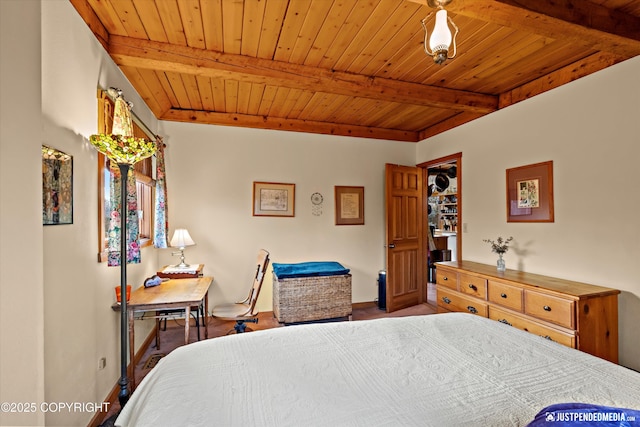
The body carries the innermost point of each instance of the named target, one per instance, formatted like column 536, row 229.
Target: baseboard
column 112, row 398
column 366, row 304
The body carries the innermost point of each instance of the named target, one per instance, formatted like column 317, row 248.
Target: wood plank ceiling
column 353, row 67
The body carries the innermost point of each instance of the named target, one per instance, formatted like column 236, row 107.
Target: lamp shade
column 181, row 238
column 441, row 36
column 121, row 146
column 123, row 149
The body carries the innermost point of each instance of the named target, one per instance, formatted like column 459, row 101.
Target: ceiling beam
column 93, row 22
column 445, row 125
column 131, row 52
column 579, row 21
column 591, row 64
column 296, row 125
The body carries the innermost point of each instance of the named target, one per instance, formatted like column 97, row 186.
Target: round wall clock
column 316, row 200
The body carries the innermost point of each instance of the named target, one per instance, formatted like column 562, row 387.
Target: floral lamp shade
column 123, row 149
column 121, row 146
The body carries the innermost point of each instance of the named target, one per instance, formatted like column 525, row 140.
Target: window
column 145, row 184
column 145, row 189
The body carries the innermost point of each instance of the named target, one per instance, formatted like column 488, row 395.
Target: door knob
column 392, row 245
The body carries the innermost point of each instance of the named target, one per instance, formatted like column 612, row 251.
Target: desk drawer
column 552, row 309
column 446, row 278
column 455, row 301
column 505, row 295
column 565, row 338
column 473, row 285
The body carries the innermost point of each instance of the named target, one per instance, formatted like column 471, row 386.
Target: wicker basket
column 303, row 299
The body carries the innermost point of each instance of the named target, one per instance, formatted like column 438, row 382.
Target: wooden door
column 405, row 260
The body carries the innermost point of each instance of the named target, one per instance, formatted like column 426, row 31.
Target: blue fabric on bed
column 309, row 269
column 585, row 414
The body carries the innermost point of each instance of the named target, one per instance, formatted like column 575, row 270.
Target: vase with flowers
column 500, row 246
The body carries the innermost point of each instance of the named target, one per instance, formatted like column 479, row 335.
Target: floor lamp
column 125, row 151
column 123, row 395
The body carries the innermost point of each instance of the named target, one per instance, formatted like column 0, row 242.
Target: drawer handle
column 546, row 308
column 472, row 286
column 472, row 309
column 505, row 322
column 503, row 295
column 446, row 300
column 445, row 278
column 547, row 337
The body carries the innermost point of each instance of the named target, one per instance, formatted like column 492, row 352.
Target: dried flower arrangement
column 500, row 246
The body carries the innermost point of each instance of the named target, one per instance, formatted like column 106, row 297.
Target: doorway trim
column 456, row 157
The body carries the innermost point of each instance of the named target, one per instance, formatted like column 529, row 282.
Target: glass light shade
column 181, row 238
column 123, row 149
column 441, row 35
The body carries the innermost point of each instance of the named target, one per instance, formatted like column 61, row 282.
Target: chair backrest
column 261, row 269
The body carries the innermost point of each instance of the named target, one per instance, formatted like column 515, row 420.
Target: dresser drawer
column 578, row 315
column 512, row 319
column 455, row 301
column 446, row 278
column 546, row 307
column 473, row 285
column 505, row 295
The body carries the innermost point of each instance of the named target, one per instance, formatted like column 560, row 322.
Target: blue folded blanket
column 584, row 414
column 309, row 269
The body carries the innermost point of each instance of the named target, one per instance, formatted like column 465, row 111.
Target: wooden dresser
column 575, row 314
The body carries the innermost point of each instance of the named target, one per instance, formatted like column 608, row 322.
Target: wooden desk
column 194, row 271
column 172, row 294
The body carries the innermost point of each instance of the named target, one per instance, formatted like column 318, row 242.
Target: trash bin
column 382, row 290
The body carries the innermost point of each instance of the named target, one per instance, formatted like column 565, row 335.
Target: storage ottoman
column 311, row 291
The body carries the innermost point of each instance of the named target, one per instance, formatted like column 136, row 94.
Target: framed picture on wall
column 57, row 187
column 274, row 199
column 349, row 205
column 530, row 193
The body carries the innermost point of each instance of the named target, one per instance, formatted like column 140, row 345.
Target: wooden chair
column 244, row 311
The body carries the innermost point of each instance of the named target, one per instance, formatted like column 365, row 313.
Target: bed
column 436, row 370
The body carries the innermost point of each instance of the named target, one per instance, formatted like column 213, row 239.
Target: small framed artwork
column 349, row 205
column 530, row 193
column 273, row 199
column 57, row 187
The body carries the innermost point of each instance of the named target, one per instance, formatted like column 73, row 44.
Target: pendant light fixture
column 439, row 44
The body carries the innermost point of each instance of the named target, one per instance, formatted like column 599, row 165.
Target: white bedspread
column 436, row 370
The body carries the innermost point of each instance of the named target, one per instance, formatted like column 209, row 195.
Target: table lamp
column 180, row 240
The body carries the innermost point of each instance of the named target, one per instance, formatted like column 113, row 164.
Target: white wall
column 21, row 284
column 210, row 175
column 56, row 317
column 589, row 128
column 80, row 327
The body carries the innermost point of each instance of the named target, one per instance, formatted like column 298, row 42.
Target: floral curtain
column 122, row 125
column 161, row 225
column 115, row 220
